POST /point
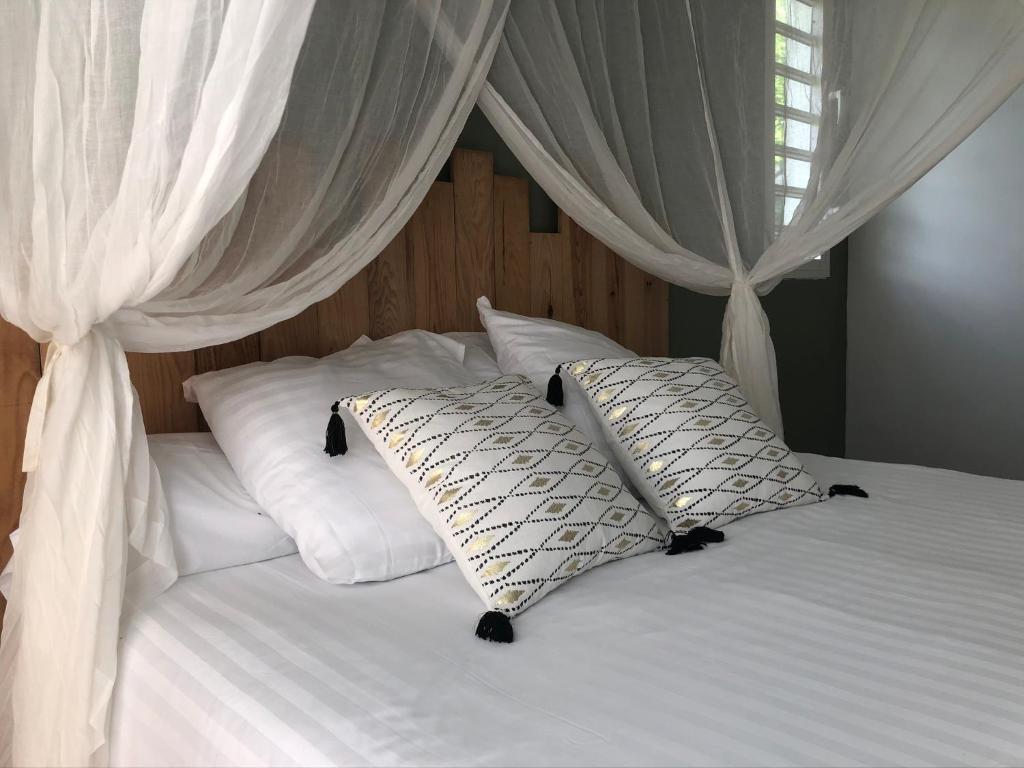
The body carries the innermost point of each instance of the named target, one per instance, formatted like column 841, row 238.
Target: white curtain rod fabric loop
column 748, row 354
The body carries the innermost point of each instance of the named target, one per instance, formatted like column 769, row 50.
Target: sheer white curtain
column 178, row 175
column 652, row 124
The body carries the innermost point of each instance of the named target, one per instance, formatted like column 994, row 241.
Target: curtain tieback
column 40, row 404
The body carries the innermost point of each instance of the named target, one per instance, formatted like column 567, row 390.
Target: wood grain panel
column 430, row 246
column 389, row 291
column 512, row 244
column 160, row 375
column 296, row 336
column 473, row 180
column 344, row 316
column 19, row 374
column 632, row 323
column 542, row 248
column 655, row 316
column 245, row 350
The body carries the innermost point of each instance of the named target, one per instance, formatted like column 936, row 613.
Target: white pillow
column 352, row 520
column 214, row 522
column 692, row 444
column 522, row 500
column 480, row 357
column 534, row 347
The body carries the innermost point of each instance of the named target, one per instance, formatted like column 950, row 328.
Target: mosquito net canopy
column 177, row 175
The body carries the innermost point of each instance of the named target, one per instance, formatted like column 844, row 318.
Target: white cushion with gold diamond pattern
column 522, row 500
column 689, row 440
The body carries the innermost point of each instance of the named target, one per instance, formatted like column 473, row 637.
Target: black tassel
column 495, row 626
column 555, row 395
column 707, row 535
column 335, row 443
column 847, row 490
column 693, row 540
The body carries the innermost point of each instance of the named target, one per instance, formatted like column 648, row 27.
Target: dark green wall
column 808, row 321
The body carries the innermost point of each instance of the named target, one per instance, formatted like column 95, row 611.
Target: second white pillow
column 352, row 520
column 535, row 346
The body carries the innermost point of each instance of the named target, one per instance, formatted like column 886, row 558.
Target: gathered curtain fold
column 653, row 124
column 179, row 175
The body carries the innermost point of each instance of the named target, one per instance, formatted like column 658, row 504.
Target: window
column 794, row 29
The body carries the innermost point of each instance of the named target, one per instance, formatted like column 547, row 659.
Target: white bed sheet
column 882, row 631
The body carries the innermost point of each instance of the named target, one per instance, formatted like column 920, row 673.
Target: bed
column 856, row 631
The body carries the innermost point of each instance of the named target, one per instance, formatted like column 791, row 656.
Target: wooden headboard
column 470, row 237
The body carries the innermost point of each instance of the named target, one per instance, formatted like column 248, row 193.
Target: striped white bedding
column 887, row 631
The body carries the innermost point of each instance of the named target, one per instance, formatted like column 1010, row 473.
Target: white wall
column 935, row 310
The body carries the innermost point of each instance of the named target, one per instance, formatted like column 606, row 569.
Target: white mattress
column 887, row 631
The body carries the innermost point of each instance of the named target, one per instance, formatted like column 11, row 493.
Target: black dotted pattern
column 692, row 444
column 521, row 498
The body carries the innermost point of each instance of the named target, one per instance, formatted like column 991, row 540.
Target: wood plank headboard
column 470, row 237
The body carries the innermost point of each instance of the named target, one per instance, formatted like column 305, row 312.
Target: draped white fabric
column 177, row 175
column 652, row 124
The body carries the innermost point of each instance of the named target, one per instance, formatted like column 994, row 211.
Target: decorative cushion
column 689, row 440
column 533, row 346
column 517, row 493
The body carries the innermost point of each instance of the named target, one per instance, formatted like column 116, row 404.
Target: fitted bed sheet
column 881, row 631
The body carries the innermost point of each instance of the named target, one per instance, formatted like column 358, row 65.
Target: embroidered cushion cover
column 689, row 440
column 518, row 494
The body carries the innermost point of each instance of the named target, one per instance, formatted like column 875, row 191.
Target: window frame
column 819, row 267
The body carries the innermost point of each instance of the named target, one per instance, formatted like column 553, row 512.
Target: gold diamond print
column 624, row 542
column 617, row 516
column 717, row 440
column 741, row 483
column 509, row 598
column 571, row 566
column 629, row 429
column 591, row 379
column 702, row 422
column 639, row 448
column 578, row 369
column 668, row 484
column 450, row 494
column 568, row 535
column 494, row 569
column 433, row 477
column 655, row 466
column 523, row 458
column 605, row 395
column 361, row 404
column 555, row 508
column 483, row 422
column 540, row 482
column 682, row 501
column 379, row 418
column 730, row 461
column 604, row 490
column 414, row 458
column 688, row 523
column 617, row 413
column 463, row 519
column 480, row 542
